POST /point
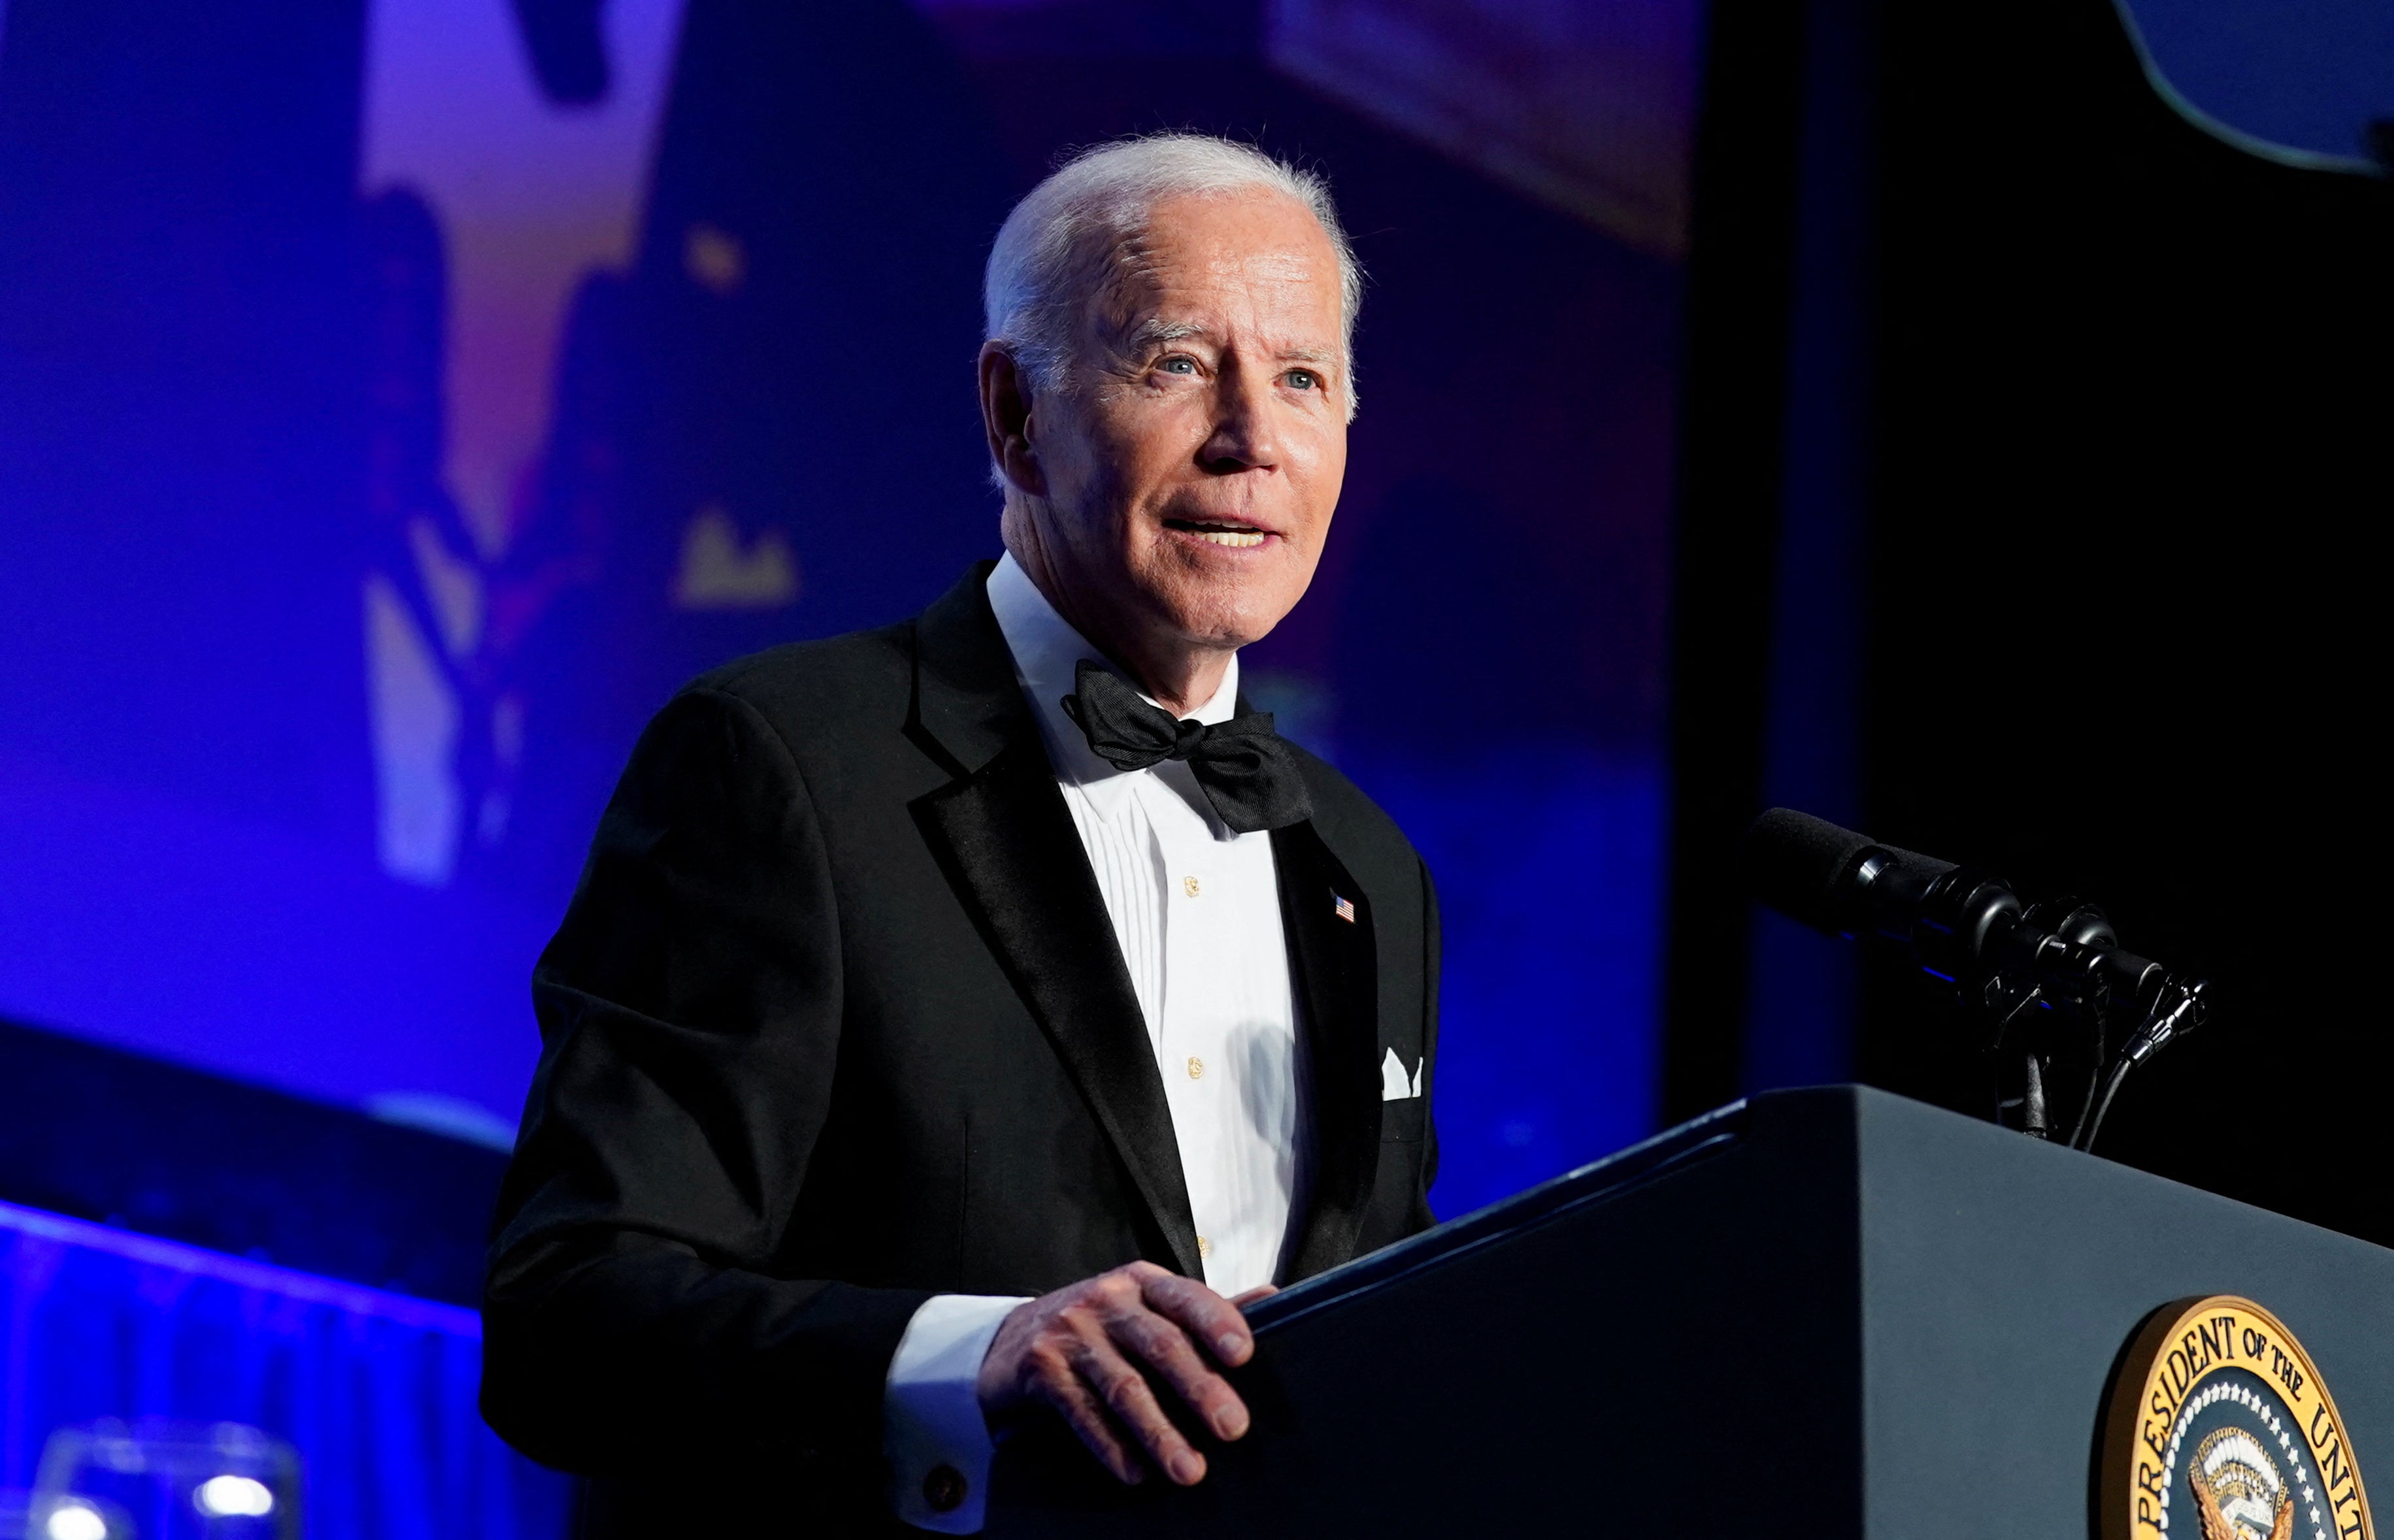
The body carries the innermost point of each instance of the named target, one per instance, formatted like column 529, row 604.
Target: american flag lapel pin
column 1344, row 908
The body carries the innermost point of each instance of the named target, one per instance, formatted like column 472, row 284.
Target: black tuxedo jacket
column 837, row 1021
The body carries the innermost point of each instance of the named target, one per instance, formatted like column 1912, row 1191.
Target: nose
column 1244, row 436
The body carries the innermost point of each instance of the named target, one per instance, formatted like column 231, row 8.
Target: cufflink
column 944, row 1489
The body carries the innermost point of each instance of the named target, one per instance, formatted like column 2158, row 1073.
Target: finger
column 1126, row 1394
column 1203, row 1314
column 1261, row 1291
column 1087, row 1416
column 1161, row 1343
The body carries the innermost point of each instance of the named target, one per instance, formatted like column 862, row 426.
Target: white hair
column 1071, row 232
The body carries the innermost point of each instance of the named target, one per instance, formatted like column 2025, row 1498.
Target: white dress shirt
column 1196, row 910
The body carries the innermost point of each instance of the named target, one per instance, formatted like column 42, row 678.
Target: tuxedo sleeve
column 689, row 1017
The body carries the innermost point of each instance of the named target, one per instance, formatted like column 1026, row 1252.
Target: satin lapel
column 967, row 705
column 1008, row 843
column 1336, row 966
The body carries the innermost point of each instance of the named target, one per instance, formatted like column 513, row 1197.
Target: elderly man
column 959, row 1022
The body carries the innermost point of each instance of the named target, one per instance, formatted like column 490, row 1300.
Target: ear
column 1005, row 420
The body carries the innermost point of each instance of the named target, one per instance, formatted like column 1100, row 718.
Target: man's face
column 1191, row 471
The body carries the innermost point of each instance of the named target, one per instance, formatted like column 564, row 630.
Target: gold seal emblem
column 2218, row 1427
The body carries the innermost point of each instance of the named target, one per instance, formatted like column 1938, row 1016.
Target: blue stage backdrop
column 398, row 398
column 375, row 1391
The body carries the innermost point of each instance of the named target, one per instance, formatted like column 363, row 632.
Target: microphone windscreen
column 1798, row 864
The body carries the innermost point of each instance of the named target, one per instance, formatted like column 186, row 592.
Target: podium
column 1826, row 1312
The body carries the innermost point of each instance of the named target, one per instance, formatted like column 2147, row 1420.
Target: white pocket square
column 1395, row 1084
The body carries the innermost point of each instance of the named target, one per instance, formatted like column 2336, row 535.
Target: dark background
column 2057, row 565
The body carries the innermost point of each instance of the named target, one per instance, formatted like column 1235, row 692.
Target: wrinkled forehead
column 1200, row 263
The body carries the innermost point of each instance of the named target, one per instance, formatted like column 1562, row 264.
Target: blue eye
column 1179, row 364
column 1303, row 379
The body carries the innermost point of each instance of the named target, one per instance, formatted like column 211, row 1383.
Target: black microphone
column 1967, row 926
column 1833, row 879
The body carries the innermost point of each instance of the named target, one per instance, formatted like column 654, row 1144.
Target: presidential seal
column 2218, row 1427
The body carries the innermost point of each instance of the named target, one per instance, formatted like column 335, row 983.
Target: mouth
column 1235, row 537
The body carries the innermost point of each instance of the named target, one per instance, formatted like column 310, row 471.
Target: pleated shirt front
column 1195, row 907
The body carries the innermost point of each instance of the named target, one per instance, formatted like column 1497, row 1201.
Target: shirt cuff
column 932, row 1430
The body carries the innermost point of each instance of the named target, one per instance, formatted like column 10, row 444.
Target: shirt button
column 1189, row 886
column 1196, row 1067
column 944, row 1489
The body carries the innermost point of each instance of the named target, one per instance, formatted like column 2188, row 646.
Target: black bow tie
column 1248, row 771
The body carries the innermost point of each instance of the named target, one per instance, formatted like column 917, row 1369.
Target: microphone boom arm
column 2010, row 962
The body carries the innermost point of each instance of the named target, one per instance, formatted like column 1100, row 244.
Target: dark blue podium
column 1823, row 1313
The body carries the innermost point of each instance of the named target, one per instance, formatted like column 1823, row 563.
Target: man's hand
column 1087, row 1351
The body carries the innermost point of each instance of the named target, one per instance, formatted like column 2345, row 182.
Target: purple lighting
column 30, row 1226
column 376, row 1390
